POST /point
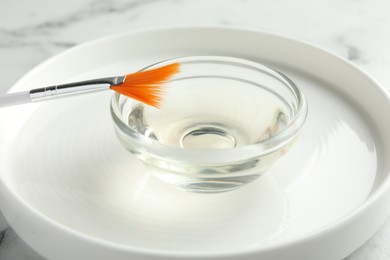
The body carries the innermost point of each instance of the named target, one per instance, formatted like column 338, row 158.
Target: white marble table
column 32, row 31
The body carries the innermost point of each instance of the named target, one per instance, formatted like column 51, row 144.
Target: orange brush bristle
column 146, row 86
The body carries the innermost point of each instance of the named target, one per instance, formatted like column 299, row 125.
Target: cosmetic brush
column 144, row 86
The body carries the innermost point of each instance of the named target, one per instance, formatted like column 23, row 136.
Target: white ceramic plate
column 72, row 192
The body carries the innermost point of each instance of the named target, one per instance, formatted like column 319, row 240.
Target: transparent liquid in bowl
column 212, row 113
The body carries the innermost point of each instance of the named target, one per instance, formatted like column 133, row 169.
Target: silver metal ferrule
column 75, row 88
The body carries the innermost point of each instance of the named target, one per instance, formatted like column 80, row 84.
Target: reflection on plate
column 88, row 182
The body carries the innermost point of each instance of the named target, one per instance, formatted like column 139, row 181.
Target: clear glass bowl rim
column 241, row 153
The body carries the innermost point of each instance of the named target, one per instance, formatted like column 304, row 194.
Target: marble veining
column 353, row 52
column 32, row 31
column 22, row 36
column 2, row 235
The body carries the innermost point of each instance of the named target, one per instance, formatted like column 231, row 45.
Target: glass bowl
column 222, row 123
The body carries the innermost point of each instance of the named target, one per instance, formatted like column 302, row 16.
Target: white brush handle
column 63, row 90
column 13, row 99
